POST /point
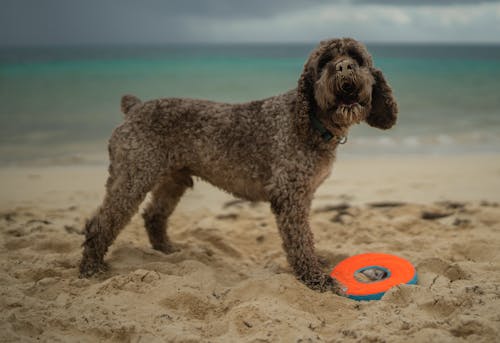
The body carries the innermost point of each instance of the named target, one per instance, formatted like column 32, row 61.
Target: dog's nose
column 345, row 66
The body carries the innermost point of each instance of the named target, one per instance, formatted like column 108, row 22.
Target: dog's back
column 229, row 145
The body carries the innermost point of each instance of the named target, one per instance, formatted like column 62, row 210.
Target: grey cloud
column 103, row 21
column 230, row 8
column 90, row 21
column 422, row 2
column 121, row 21
column 28, row 22
column 170, row 8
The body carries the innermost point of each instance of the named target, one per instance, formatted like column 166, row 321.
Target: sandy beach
column 230, row 282
column 234, row 79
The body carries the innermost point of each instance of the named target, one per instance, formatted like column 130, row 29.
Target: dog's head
column 339, row 80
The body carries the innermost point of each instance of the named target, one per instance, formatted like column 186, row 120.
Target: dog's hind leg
column 165, row 198
column 126, row 188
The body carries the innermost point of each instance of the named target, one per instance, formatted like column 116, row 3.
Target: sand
column 230, row 281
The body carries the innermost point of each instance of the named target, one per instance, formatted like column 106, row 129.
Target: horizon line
column 123, row 44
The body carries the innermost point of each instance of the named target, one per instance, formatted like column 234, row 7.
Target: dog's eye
column 356, row 55
column 323, row 60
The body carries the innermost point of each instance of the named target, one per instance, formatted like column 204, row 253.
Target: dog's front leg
column 291, row 209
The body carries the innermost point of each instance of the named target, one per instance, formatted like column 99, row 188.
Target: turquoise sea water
column 61, row 103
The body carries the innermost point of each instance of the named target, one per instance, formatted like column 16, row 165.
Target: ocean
column 60, row 104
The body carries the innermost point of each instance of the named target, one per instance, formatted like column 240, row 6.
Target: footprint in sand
column 135, row 281
column 188, row 305
column 477, row 250
column 17, row 243
column 25, row 327
column 54, row 246
column 439, row 307
column 439, row 267
column 468, row 327
column 217, row 242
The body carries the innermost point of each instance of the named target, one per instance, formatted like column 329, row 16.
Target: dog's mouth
column 348, row 95
column 350, row 108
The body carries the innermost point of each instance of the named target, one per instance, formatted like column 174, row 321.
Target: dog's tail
column 128, row 103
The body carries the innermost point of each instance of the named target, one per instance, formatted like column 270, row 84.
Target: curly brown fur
column 265, row 150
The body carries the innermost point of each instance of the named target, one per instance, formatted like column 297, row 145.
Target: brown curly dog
column 278, row 150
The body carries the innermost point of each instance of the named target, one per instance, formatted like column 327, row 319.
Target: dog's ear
column 384, row 108
column 305, row 89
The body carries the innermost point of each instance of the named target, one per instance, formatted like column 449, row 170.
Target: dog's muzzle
column 345, row 81
column 347, row 87
column 347, row 92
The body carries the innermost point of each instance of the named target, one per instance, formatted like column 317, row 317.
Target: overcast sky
column 54, row 22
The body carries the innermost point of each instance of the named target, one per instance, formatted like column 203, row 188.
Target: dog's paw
column 324, row 283
column 166, row 248
column 90, row 268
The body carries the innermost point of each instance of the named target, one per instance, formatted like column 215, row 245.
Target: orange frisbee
column 391, row 270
